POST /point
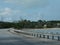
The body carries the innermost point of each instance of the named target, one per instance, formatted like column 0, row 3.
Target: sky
column 12, row 10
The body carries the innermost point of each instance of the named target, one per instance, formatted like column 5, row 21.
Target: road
column 8, row 38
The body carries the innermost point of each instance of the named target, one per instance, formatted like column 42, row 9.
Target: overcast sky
column 29, row 9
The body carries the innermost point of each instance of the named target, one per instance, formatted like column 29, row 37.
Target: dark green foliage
column 6, row 25
column 30, row 24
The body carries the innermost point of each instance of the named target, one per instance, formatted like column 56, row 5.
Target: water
column 45, row 31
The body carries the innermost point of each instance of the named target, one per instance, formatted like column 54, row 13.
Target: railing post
column 43, row 36
column 40, row 35
column 58, row 38
column 37, row 35
column 47, row 36
column 52, row 37
column 34, row 35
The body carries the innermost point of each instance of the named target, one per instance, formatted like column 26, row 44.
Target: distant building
column 58, row 24
column 45, row 26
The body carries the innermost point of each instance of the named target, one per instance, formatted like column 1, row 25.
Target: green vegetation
column 30, row 24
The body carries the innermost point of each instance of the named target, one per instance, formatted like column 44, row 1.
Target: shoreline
column 38, row 28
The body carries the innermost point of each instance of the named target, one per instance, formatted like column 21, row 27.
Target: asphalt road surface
column 8, row 38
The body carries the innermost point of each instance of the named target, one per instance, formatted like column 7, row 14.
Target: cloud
column 8, row 14
column 5, row 11
column 29, row 3
column 8, row 11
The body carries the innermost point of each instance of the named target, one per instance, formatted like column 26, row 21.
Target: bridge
column 13, row 38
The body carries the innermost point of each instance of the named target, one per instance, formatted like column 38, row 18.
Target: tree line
column 30, row 24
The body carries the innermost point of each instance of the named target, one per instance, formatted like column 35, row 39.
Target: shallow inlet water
column 46, row 31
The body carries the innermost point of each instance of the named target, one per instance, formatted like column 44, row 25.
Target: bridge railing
column 47, row 36
column 40, row 35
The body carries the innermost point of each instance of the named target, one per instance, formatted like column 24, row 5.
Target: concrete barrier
column 39, row 35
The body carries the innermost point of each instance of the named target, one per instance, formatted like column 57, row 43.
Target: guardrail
column 53, row 37
column 39, row 35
